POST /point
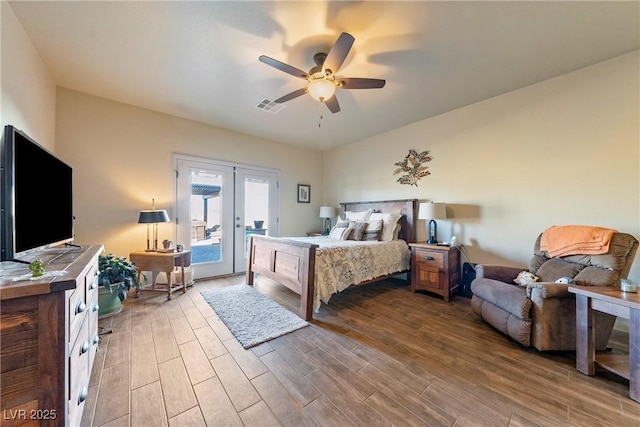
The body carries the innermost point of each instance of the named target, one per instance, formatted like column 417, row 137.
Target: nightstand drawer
column 429, row 258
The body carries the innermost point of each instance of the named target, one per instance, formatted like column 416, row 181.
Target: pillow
column 373, row 230
column 340, row 224
column 396, row 232
column 340, row 233
column 555, row 268
column 359, row 228
column 525, row 278
column 389, row 221
column 358, row 216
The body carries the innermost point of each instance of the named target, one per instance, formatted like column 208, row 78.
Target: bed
column 301, row 264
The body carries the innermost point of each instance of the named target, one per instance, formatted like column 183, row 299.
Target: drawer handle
column 84, row 393
column 85, row 347
column 93, row 285
column 96, row 307
column 428, row 258
column 81, row 307
column 96, row 340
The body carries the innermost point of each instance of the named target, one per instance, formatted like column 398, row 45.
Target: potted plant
column 116, row 277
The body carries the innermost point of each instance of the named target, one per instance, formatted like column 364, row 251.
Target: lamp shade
column 321, row 89
column 153, row 216
column 327, row 212
column 431, row 210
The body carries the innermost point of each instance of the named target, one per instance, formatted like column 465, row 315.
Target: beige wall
column 28, row 90
column 565, row 151
column 121, row 157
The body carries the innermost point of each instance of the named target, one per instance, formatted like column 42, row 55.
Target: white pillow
column 340, row 233
column 358, row 216
column 389, row 221
column 373, row 230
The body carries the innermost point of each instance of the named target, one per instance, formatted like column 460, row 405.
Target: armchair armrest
column 547, row 290
column 498, row 272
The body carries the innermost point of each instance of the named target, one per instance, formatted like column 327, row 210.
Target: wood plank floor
column 377, row 355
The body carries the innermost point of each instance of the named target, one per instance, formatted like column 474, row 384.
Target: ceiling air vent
column 269, row 106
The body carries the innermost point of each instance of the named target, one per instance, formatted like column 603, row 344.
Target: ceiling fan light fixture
column 321, row 89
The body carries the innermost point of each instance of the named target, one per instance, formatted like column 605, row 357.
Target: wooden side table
column 435, row 269
column 612, row 301
column 157, row 262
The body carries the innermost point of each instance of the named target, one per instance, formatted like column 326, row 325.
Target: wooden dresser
column 48, row 337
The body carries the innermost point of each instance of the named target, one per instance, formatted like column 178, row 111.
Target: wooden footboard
column 288, row 262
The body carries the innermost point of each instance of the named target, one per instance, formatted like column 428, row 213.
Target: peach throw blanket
column 561, row 240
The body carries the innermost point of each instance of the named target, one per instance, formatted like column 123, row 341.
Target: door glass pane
column 256, row 208
column 206, row 216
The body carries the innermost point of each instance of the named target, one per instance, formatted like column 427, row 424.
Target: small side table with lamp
column 156, row 260
column 434, row 268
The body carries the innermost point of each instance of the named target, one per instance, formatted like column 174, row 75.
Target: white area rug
column 250, row 316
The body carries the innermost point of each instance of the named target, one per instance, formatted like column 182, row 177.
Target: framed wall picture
column 304, row 193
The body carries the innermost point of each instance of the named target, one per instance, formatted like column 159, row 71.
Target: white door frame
column 229, row 263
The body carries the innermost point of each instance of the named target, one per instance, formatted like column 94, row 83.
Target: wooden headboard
column 408, row 208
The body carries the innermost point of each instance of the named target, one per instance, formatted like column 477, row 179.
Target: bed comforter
column 343, row 263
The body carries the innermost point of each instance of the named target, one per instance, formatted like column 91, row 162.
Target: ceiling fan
column 321, row 79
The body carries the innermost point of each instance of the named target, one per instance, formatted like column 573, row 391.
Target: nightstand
column 435, row 269
column 315, row 233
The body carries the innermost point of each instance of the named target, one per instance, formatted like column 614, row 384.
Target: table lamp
column 327, row 212
column 432, row 211
column 153, row 216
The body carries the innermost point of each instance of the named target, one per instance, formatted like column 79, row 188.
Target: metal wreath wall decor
column 412, row 167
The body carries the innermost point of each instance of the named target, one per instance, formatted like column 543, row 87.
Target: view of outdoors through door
column 206, row 216
column 223, row 205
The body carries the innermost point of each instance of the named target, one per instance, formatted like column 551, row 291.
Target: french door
column 219, row 205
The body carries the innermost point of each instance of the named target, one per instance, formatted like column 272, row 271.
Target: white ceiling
column 199, row 60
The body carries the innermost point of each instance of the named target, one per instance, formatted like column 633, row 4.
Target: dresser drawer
column 430, row 259
column 91, row 282
column 79, row 370
column 92, row 319
column 77, row 312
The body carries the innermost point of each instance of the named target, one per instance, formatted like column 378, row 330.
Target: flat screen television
column 37, row 197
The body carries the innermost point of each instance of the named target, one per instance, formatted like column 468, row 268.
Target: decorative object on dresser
column 431, row 211
column 327, row 212
column 304, row 193
column 153, row 216
column 116, row 276
column 305, row 266
column 49, row 337
column 435, row 269
column 542, row 314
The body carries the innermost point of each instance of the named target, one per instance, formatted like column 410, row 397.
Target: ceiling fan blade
column 290, row 96
column 283, row 67
column 337, row 54
column 358, row 83
column 332, row 104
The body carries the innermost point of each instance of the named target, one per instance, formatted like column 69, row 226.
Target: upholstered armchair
column 542, row 314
